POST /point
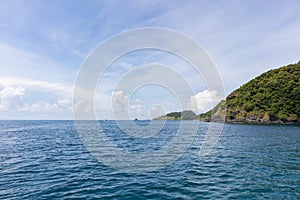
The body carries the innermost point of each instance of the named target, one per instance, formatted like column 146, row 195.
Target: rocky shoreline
column 254, row 121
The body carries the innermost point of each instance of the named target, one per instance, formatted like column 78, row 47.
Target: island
column 271, row 98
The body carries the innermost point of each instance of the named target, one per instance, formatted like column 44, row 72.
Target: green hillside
column 184, row 115
column 217, row 114
column 272, row 97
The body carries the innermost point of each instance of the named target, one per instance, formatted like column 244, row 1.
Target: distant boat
column 135, row 119
column 105, row 120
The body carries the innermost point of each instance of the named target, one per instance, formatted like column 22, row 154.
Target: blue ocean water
column 47, row 160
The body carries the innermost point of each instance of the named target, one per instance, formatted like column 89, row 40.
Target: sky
column 43, row 45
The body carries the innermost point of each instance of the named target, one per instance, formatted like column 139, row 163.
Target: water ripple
column 46, row 159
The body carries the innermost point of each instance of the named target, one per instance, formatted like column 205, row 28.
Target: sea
column 50, row 160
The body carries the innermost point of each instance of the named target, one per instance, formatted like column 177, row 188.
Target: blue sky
column 43, row 44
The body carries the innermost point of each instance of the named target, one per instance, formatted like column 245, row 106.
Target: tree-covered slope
column 274, row 96
column 184, row 115
column 217, row 114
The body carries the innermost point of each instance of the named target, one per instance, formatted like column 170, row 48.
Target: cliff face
column 217, row 114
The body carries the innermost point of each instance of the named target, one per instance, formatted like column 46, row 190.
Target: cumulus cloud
column 64, row 102
column 204, row 101
column 120, row 105
column 156, row 111
column 123, row 108
column 42, row 107
column 48, row 86
column 137, row 108
column 11, row 98
column 12, row 93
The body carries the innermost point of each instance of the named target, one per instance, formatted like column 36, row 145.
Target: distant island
column 184, row 115
column 273, row 97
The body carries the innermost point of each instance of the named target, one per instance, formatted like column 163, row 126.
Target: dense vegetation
column 272, row 96
column 184, row 115
column 218, row 113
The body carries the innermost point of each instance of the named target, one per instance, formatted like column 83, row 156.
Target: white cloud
column 204, row 101
column 42, row 107
column 64, row 102
column 123, row 108
column 120, row 105
column 26, row 83
column 156, row 111
column 137, row 108
column 244, row 39
column 11, row 98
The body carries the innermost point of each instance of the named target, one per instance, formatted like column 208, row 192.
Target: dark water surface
column 47, row 160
